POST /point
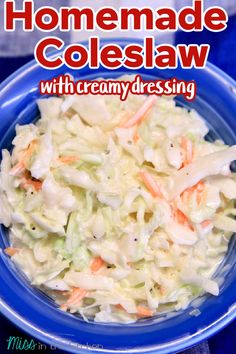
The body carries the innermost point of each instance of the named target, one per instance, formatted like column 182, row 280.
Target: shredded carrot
column 76, row 296
column 151, row 184
column 198, row 188
column 119, row 307
column 205, row 224
column 144, row 311
column 27, row 182
column 11, row 251
column 141, row 310
column 139, row 115
column 181, row 218
column 199, row 197
column 97, row 264
column 187, row 146
column 68, row 159
column 136, row 136
column 64, row 307
column 19, row 168
column 185, row 196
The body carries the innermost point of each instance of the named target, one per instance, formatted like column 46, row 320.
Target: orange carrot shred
column 139, row 115
column 199, row 198
column 97, row 264
column 11, row 251
column 205, row 224
column 181, row 218
column 27, row 182
column 119, row 307
column 141, row 310
column 198, row 188
column 64, row 307
column 19, row 168
column 136, row 136
column 187, row 146
column 144, row 311
column 151, row 184
column 68, row 159
column 76, row 296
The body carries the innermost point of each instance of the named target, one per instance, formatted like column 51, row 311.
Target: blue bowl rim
column 177, row 345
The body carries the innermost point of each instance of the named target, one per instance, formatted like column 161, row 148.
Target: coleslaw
column 119, row 210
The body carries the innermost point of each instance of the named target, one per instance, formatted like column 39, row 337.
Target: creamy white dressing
column 136, row 218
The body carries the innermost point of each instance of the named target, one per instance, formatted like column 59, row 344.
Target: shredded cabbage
column 116, row 222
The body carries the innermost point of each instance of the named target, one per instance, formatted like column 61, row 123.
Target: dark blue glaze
column 35, row 313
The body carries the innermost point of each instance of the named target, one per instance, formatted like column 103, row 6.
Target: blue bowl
column 35, row 313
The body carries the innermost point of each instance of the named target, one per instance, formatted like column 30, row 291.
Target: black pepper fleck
column 135, row 239
column 171, row 145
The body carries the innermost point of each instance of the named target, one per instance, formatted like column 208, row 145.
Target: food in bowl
column 118, row 210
